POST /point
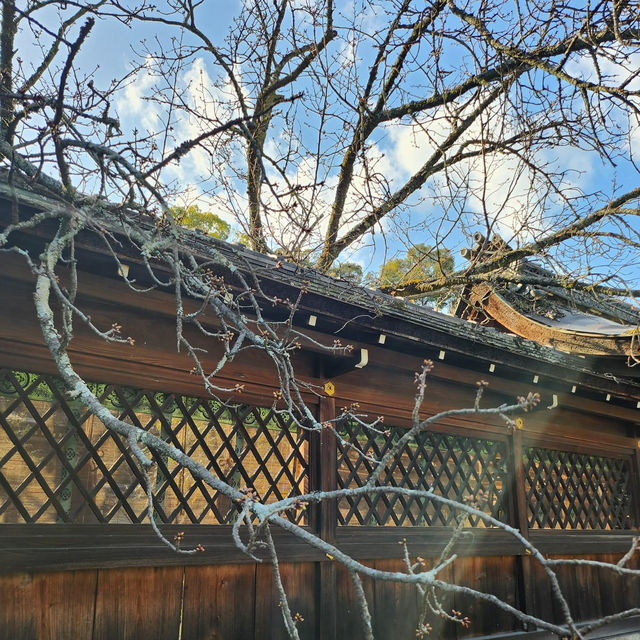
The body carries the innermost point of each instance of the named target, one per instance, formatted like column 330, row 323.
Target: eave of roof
column 619, row 341
column 381, row 312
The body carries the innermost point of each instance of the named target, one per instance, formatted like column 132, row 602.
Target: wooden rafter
column 569, row 340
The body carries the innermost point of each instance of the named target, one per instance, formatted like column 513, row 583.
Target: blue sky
column 397, row 149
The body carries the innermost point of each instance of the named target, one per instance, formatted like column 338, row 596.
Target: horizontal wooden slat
column 384, row 542
column 62, row 547
column 59, row 546
column 619, row 628
column 580, row 542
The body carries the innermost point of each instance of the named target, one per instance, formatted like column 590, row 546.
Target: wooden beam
column 523, row 566
column 50, row 547
column 570, row 341
column 64, row 547
column 327, row 526
column 108, row 299
column 635, row 484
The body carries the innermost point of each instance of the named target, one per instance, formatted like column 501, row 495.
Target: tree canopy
column 323, row 129
column 350, row 271
column 420, row 263
column 192, row 217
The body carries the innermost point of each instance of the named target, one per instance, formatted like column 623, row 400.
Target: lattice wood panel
column 576, row 491
column 59, row 464
column 453, row 466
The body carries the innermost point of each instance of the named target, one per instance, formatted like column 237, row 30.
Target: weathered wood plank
column 557, row 542
column 132, row 604
column 298, row 580
column 492, row 575
column 51, row 606
column 395, row 605
column 611, row 588
column 545, row 605
column 583, row 587
column 327, row 600
column 219, row 602
column 383, row 542
column 50, row 547
column 64, row 547
column 348, row 624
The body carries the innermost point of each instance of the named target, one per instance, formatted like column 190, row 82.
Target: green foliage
column 192, row 217
column 350, row 271
column 420, row 263
column 242, row 238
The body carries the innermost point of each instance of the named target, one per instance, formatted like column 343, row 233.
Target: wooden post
column 328, row 470
column 523, row 563
column 328, row 520
column 520, row 501
column 635, row 484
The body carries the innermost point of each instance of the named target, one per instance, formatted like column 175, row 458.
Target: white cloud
column 134, row 105
column 412, row 144
column 499, row 190
column 502, row 188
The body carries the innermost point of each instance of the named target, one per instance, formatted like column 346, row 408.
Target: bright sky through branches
column 178, row 88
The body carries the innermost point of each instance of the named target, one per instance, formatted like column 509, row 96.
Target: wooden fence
column 78, row 562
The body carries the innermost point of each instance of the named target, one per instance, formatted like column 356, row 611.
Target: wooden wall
column 118, row 583
column 238, row 602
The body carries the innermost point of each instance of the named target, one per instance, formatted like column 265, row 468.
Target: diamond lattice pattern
column 454, row 467
column 576, row 491
column 59, row 464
